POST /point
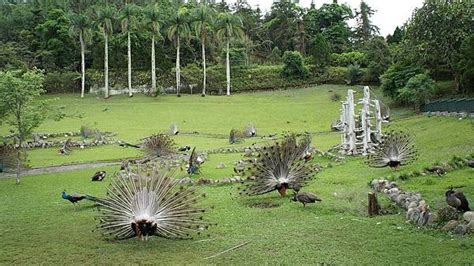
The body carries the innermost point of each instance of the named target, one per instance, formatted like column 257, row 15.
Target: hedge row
column 244, row 78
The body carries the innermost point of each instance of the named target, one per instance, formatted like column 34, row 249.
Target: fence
column 453, row 105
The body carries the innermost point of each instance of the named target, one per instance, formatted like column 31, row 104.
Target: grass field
column 39, row 227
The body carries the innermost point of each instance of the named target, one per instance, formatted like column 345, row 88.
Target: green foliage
column 378, row 58
column 365, row 29
column 349, row 58
column 354, row 74
column 281, row 24
column 466, row 65
column 237, row 56
column 320, row 51
column 293, row 65
column 396, row 77
column 396, row 37
column 61, row 82
column 418, row 89
column 275, row 56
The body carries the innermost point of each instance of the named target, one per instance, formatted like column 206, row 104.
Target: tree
column 19, row 107
column 179, row 29
column 396, row 37
column 320, row 51
column 81, row 26
column 378, row 57
column 282, row 25
column 202, row 23
column 228, row 26
column 153, row 22
column 466, row 64
column 293, row 65
column 105, row 16
column 435, row 33
column 365, row 29
column 418, row 89
column 128, row 22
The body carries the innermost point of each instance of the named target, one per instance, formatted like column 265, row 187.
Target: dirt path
column 62, row 168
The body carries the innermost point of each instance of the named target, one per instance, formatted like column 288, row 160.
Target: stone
column 451, row 225
column 220, row 166
column 468, row 216
column 461, row 229
column 470, row 225
column 412, row 204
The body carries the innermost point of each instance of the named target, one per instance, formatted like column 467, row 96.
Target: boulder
column 468, row 216
column 451, row 225
column 461, row 229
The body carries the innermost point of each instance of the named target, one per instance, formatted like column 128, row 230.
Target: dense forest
column 431, row 55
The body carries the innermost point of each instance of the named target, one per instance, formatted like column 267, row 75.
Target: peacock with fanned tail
column 280, row 167
column 394, row 150
column 143, row 204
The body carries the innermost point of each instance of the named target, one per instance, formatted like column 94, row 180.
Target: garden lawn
column 40, row 227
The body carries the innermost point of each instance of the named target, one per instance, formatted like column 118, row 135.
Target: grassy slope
column 38, row 226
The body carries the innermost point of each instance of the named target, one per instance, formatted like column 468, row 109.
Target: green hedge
column 244, row 78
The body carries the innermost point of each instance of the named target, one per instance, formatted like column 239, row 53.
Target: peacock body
column 280, row 167
column 145, row 204
column 394, row 150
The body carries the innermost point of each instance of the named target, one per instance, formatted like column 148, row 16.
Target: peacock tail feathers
column 149, row 203
column 279, row 167
column 158, row 145
column 396, row 148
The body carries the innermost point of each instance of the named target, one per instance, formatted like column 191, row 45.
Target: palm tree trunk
column 153, row 65
column 178, row 71
column 129, row 53
column 83, row 65
column 204, row 68
column 106, row 65
column 228, row 68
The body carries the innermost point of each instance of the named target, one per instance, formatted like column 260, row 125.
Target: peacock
column 280, row 167
column 143, row 204
column 457, row 200
column 75, row 198
column 174, row 129
column 99, row 176
column 158, row 145
column 250, row 131
column 396, row 149
column 304, row 197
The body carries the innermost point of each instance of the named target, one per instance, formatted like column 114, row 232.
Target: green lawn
column 39, row 227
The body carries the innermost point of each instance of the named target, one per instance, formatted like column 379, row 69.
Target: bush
column 419, row 88
column 350, row 58
column 396, row 77
column 62, row 82
column 237, row 56
column 354, row 74
column 275, row 56
column 293, row 65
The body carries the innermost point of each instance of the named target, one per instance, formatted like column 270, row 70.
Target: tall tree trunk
column 106, row 65
column 203, row 45
column 129, row 53
column 228, row 68
column 18, row 163
column 178, row 71
column 83, row 65
column 153, row 65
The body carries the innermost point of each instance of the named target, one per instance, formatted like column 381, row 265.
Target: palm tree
column 179, row 28
column 81, row 26
column 105, row 16
column 128, row 21
column 228, row 26
column 202, row 24
column 153, row 22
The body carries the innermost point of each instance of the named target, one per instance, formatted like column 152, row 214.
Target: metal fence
column 453, row 105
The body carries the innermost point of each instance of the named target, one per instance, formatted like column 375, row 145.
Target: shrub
column 418, row 89
column 237, row 56
column 354, row 74
column 350, row 58
column 396, row 77
column 275, row 56
column 62, row 82
column 293, row 65
column 335, row 97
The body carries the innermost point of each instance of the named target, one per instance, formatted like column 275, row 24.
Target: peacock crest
column 394, row 150
column 143, row 204
column 280, row 167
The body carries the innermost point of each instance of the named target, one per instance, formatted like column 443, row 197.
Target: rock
column 468, row 216
column 393, row 190
column 470, row 225
column 451, row 225
column 374, row 183
column 412, row 204
column 461, row 229
column 411, row 213
column 220, row 166
column 447, row 213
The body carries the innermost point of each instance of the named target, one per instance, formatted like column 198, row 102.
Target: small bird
column 457, row 200
column 74, row 198
column 125, row 144
column 99, row 176
column 185, row 148
column 439, row 170
column 305, row 197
